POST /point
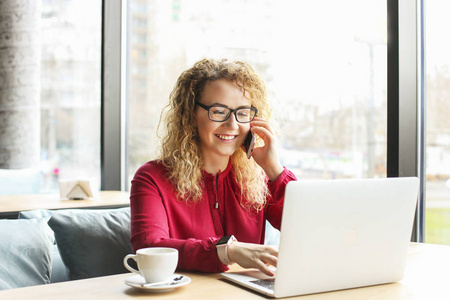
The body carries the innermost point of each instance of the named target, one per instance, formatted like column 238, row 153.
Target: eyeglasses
column 218, row 113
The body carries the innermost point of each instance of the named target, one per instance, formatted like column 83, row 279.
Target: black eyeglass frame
column 207, row 108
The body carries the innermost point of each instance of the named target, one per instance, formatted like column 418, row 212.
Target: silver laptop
column 339, row 234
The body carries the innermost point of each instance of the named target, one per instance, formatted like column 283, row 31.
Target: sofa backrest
column 89, row 243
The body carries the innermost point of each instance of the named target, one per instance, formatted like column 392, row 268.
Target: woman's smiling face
column 219, row 140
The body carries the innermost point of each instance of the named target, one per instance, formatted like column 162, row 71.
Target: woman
column 203, row 187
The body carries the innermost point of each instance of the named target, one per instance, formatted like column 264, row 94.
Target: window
column 70, row 90
column 326, row 76
column 437, row 95
column 60, row 46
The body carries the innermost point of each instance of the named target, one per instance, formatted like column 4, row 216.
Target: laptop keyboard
column 267, row 283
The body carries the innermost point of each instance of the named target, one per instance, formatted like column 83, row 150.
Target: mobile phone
column 249, row 143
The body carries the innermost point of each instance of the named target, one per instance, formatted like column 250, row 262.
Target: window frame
column 113, row 100
column 405, row 129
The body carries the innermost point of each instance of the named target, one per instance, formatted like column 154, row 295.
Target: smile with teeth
column 225, row 137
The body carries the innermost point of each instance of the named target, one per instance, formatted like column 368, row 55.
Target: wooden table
column 10, row 206
column 426, row 277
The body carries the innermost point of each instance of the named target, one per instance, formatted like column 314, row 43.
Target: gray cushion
column 93, row 242
column 25, row 253
column 47, row 213
column 59, row 271
column 35, row 214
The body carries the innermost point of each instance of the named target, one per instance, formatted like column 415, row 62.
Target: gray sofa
column 47, row 246
column 44, row 246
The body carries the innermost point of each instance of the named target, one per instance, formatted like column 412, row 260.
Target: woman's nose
column 231, row 121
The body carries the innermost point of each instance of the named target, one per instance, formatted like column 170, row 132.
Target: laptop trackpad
column 253, row 279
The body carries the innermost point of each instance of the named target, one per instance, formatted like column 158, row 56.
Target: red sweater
column 158, row 219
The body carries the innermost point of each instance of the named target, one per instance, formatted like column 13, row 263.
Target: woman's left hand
column 266, row 155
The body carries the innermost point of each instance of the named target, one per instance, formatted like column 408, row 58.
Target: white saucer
column 137, row 281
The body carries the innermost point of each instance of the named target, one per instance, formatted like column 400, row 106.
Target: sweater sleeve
column 274, row 208
column 150, row 225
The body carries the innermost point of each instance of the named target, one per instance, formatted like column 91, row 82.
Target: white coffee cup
column 154, row 264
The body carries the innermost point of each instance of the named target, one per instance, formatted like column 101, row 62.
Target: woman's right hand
column 253, row 256
column 266, row 156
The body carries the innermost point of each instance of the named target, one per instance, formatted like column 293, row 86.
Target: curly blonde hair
column 180, row 151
